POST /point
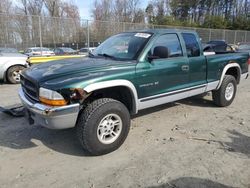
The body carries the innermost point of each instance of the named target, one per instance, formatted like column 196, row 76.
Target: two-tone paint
column 150, row 83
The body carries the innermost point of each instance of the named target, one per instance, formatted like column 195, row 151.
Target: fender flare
column 228, row 66
column 114, row 83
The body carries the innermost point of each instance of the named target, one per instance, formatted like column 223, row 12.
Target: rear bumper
column 51, row 117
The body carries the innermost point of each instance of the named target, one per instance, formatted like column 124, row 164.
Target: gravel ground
column 190, row 143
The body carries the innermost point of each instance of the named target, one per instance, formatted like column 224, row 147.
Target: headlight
column 51, row 97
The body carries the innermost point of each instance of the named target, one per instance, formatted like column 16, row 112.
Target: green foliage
column 181, row 8
column 240, row 23
column 223, row 14
column 217, row 22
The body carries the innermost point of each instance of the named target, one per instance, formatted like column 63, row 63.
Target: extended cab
column 128, row 72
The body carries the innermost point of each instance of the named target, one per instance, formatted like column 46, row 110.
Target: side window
column 167, row 46
column 192, row 45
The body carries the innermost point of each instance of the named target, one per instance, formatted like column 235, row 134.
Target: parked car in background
column 37, row 51
column 233, row 46
column 11, row 65
column 244, row 47
column 37, row 60
column 85, row 51
column 217, row 46
column 64, row 51
column 8, row 50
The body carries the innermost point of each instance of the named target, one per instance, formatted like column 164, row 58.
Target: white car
column 11, row 65
column 37, row 51
column 85, row 51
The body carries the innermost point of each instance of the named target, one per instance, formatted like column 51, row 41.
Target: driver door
column 164, row 74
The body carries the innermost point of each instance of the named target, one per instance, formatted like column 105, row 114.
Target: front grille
column 29, row 88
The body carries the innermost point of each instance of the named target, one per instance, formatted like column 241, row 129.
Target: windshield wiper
column 107, row 55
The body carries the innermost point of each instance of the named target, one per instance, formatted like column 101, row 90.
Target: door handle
column 185, row 67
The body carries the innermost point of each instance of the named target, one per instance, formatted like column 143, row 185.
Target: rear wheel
column 13, row 74
column 103, row 126
column 226, row 94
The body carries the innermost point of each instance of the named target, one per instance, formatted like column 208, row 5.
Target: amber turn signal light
column 50, row 102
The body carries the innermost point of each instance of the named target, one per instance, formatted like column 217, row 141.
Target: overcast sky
column 85, row 7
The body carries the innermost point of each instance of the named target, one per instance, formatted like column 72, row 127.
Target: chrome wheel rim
column 229, row 92
column 16, row 75
column 109, row 129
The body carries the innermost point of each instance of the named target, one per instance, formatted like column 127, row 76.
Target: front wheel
column 226, row 94
column 13, row 74
column 103, row 126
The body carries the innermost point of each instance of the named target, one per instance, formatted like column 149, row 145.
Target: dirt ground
column 190, row 143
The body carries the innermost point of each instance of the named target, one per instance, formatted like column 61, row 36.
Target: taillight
column 248, row 61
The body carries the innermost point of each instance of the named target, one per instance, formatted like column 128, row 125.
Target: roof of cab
column 162, row 31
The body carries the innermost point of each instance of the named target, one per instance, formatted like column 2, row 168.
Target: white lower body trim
column 171, row 96
column 212, row 86
column 228, row 66
column 113, row 83
column 176, row 95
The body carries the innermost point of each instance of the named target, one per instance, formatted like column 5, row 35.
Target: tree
column 53, row 7
column 150, row 13
column 232, row 14
column 35, row 7
column 5, row 8
column 217, row 22
column 118, row 10
column 107, row 14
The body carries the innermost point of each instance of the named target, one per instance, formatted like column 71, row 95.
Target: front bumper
column 62, row 117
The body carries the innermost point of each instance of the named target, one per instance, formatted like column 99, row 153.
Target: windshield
column 244, row 47
column 124, row 46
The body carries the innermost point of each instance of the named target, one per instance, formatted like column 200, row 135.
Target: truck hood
column 55, row 72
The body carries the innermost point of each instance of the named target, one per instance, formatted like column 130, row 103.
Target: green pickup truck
column 128, row 72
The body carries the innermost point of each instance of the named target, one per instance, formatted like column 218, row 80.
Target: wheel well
column 120, row 93
column 235, row 72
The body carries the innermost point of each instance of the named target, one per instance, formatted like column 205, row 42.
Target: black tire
column 13, row 74
column 89, row 120
column 219, row 96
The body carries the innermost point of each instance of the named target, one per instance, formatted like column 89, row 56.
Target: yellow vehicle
column 36, row 60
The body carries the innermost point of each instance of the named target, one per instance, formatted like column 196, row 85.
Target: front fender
column 113, row 83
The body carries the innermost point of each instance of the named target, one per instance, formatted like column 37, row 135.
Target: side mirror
column 160, row 52
column 152, row 57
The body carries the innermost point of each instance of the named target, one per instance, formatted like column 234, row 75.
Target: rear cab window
column 192, row 45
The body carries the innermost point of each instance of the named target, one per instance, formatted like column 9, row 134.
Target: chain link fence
column 21, row 32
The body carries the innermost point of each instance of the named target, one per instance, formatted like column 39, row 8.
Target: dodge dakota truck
column 128, row 72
